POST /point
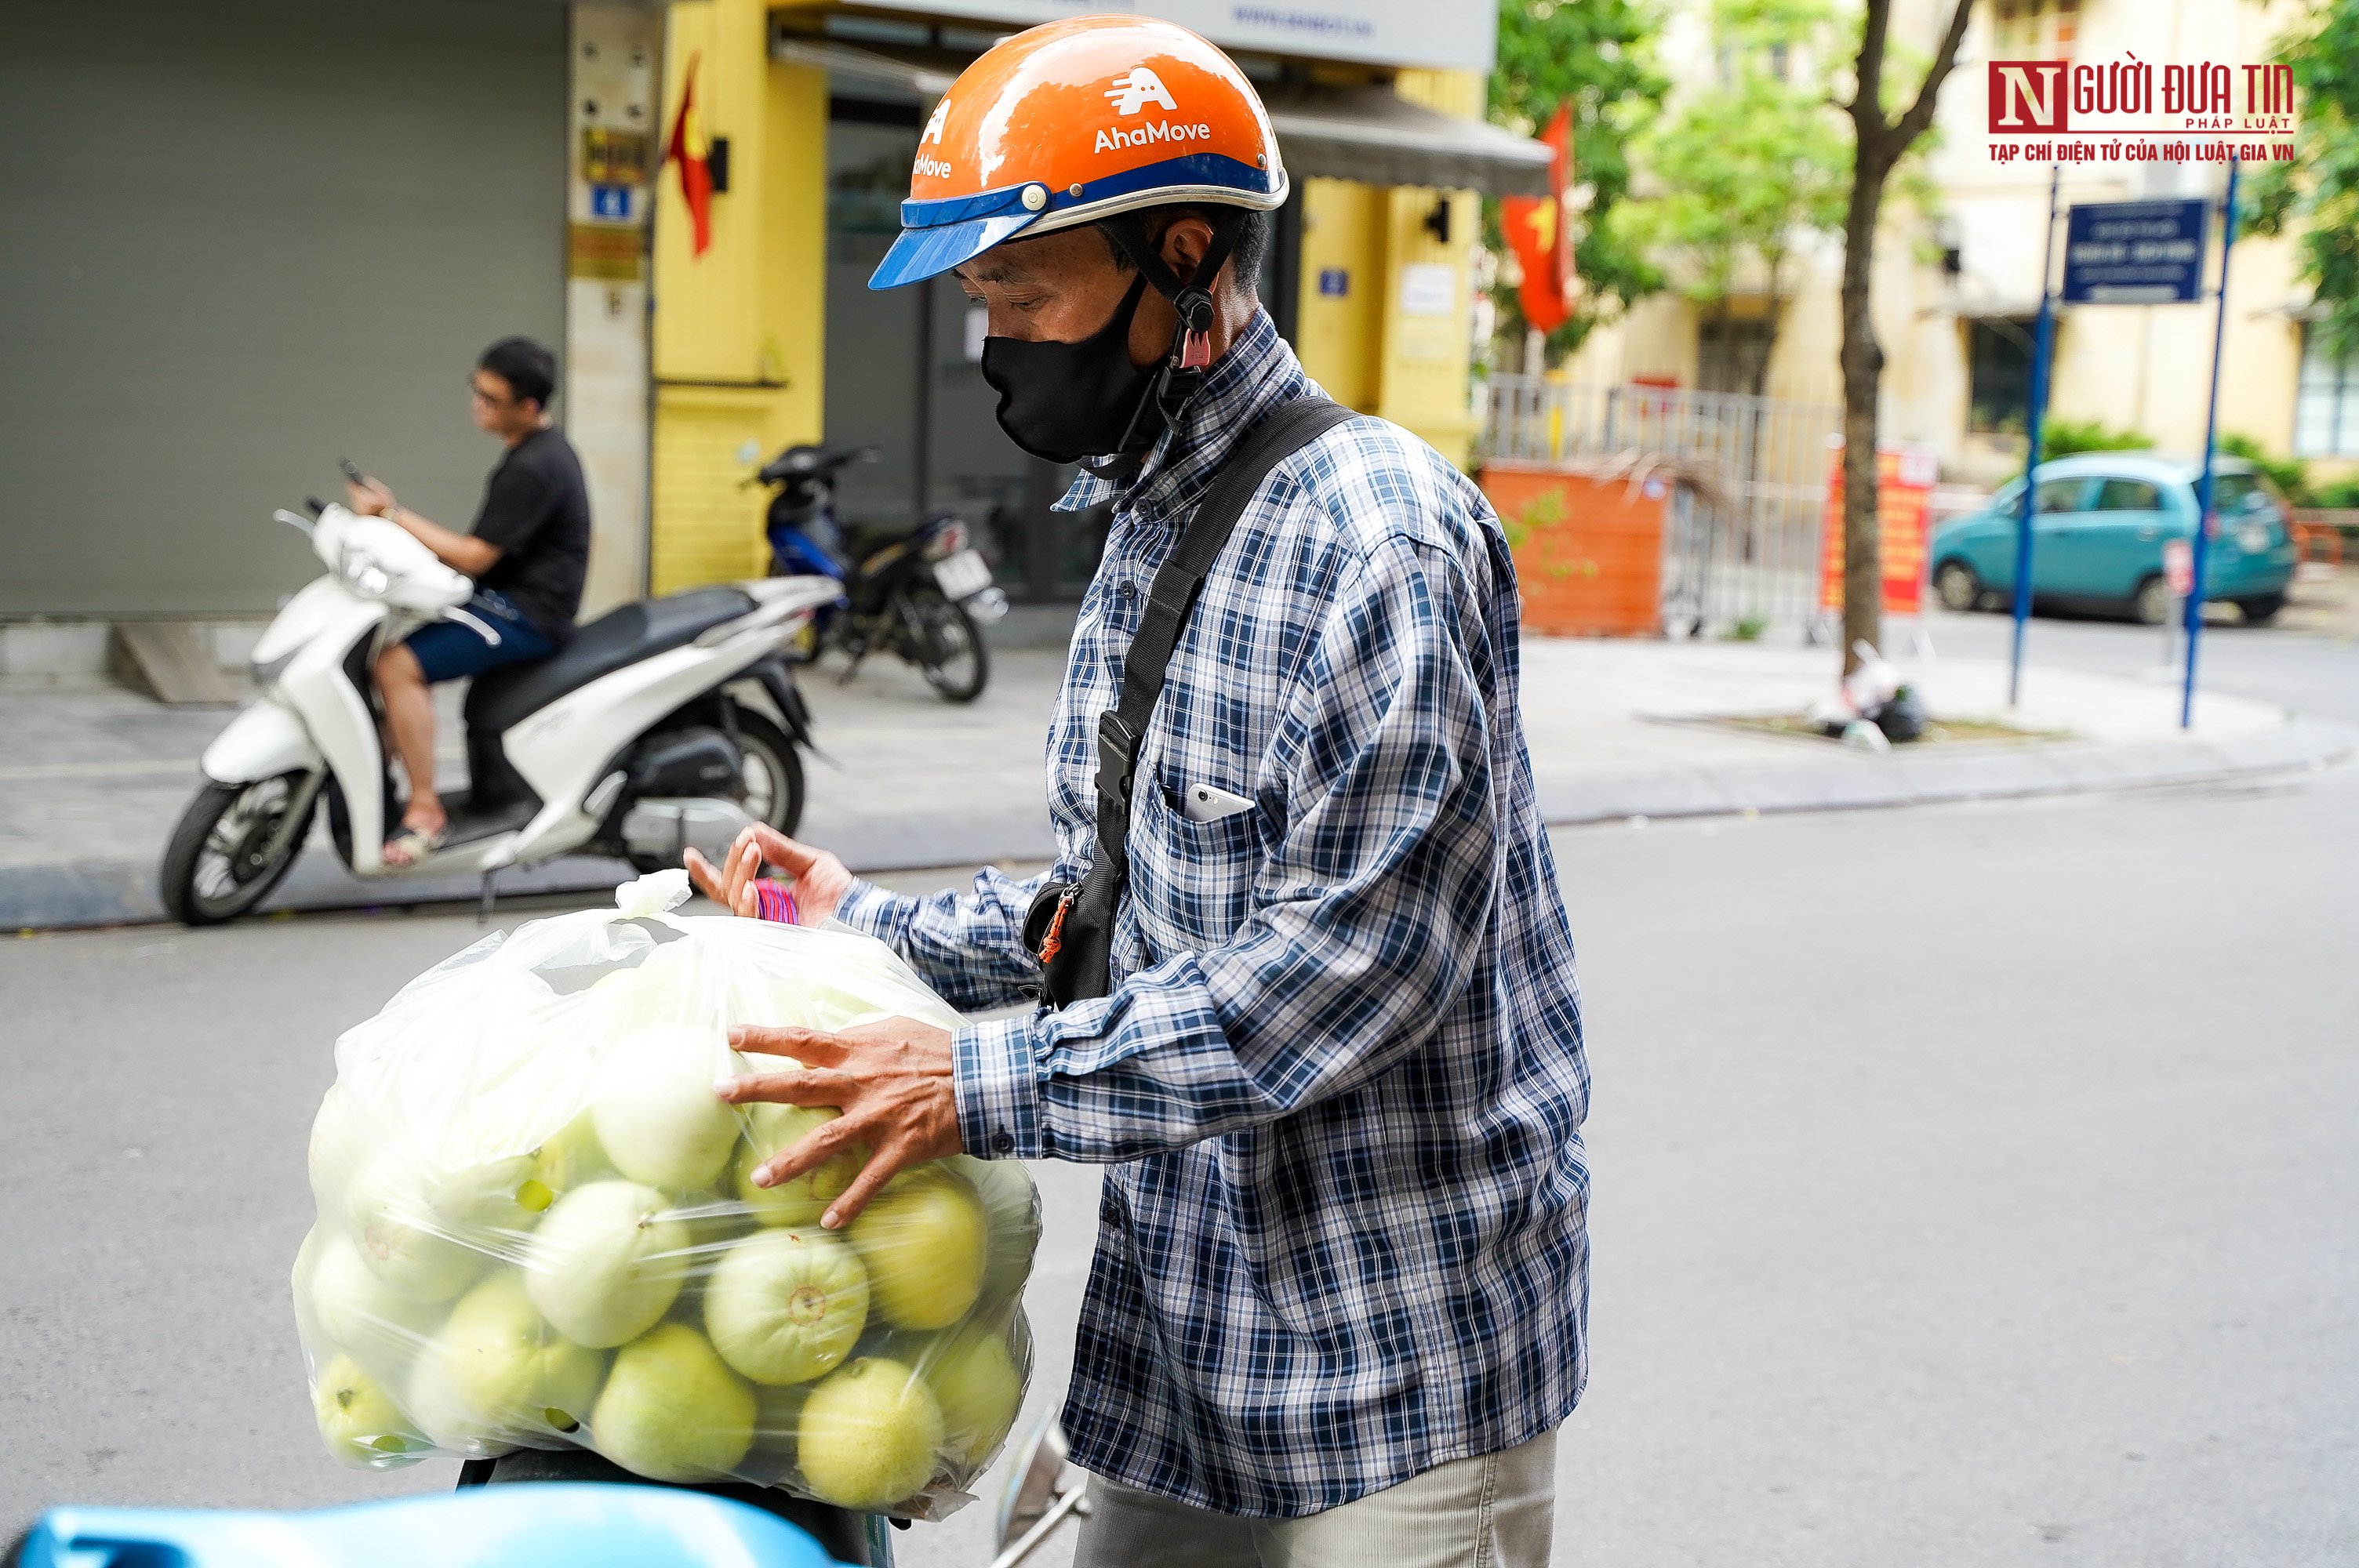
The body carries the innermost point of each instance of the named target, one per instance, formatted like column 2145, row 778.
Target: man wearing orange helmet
column 1312, row 984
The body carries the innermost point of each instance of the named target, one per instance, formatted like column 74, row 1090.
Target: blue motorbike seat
column 537, row 1525
column 621, row 636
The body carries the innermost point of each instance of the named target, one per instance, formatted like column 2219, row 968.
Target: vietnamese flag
column 1535, row 229
column 689, row 148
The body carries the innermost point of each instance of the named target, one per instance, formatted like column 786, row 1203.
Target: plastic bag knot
column 657, row 893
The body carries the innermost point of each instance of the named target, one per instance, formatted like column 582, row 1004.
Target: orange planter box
column 1589, row 552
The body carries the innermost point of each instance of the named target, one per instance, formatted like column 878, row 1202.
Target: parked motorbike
column 633, row 740
column 924, row 595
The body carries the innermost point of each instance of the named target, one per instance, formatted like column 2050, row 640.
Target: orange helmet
column 1074, row 121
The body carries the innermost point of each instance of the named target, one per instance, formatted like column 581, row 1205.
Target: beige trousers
column 1496, row 1510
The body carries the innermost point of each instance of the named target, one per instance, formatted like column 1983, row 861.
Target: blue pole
column 2040, row 340
column 2211, row 444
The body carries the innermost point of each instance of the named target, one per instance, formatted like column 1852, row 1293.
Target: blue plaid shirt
column 1339, row 1080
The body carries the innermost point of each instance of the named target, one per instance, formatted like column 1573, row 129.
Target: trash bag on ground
column 1903, row 718
column 537, row 1227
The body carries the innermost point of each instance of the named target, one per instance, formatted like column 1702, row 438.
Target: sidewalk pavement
column 97, row 775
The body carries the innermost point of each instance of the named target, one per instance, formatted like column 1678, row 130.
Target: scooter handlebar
column 812, row 463
column 556, row 1524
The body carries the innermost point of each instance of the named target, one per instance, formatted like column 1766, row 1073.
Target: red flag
column 689, row 148
column 1535, row 229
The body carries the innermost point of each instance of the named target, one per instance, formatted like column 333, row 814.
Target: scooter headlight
column 358, row 569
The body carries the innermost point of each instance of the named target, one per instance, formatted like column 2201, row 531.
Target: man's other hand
column 368, row 498
column 820, row 880
column 893, row 1082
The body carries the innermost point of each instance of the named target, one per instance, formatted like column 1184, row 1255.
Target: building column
column 613, row 145
column 1422, row 377
column 739, row 333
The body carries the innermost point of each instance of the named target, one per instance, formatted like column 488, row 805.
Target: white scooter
column 629, row 741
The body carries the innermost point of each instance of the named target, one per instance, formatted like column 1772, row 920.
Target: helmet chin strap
column 1190, row 359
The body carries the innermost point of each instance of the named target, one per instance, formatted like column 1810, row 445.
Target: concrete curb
column 1972, row 772
column 123, row 892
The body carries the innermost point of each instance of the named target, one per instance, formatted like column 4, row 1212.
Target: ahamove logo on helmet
column 934, row 165
column 1129, row 92
column 1134, row 91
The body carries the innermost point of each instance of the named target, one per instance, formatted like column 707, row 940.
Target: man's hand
column 820, row 880
column 893, row 1081
column 368, row 498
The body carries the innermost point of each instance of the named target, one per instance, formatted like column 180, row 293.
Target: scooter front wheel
column 233, row 845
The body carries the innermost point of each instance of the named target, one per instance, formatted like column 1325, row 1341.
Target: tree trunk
column 1862, row 370
column 1878, row 144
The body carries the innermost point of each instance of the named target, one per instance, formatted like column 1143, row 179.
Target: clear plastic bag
column 536, row 1228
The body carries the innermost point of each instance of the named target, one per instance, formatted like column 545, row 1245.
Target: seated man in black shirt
column 527, row 552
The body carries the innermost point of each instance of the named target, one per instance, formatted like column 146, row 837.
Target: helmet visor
column 929, row 252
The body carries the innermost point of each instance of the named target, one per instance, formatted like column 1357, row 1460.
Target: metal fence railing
column 1747, row 556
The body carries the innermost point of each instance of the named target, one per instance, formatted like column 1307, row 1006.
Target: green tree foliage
column 1595, row 54
column 2290, row 475
column 2317, row 195
column 2063, row 437
column 1749, row 167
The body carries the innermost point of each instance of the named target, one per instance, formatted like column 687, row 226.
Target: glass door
column 905, row 374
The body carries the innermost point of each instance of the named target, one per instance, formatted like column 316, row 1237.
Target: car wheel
column 1955, row 585
column 2262, row 608
column 2151, row 601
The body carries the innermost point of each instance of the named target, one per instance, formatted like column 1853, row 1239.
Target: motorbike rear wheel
column 773, row 773
column 948, row 649
column 229, row 851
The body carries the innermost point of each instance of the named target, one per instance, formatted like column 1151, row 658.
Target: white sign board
column 1453, row 35
column 1429, row 288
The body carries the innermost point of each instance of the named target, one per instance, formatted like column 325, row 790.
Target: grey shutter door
column 239, row 242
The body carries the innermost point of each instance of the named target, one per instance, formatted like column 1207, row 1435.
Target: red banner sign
column 1905, row 473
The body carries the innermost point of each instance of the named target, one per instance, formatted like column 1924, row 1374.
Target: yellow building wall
column 1361, row 346
column 1422, row 378
column 1422, row 372
column 1339, row 337
column 739, row 337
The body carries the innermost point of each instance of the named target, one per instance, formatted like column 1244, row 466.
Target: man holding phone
column 527, row 552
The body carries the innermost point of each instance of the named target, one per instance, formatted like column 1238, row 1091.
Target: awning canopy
column 929, row 80
column 1373, row 136
column 1367, row 133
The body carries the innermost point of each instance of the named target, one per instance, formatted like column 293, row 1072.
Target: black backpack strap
column 1084, row 927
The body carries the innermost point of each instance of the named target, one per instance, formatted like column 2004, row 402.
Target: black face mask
column 1067, row 402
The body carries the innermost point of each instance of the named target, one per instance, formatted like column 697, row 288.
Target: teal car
column 2099, row 524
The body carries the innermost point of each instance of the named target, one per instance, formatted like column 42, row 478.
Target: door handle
column 2147, row 533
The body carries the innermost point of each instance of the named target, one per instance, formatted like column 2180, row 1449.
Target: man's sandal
column 410, row 845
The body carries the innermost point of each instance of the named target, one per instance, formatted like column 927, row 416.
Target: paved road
column 1973, row 1187
column 2314, row 673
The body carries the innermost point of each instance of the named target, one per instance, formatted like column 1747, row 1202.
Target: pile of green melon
column 613, row 1280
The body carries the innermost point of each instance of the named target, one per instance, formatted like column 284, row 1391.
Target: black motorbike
column 922, row 593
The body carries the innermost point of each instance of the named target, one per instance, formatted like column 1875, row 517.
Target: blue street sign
column 611, row 202
column 2135, row 253
column 1334, row 282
